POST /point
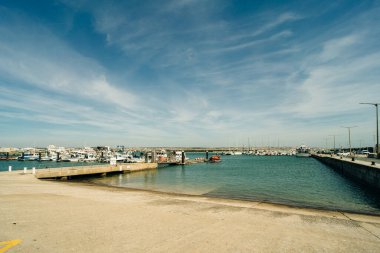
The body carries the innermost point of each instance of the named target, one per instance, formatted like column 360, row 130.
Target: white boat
column 136, row 159
column 162, row 155
column 45, row 158
column 176, row 156
column 303, row 151
column 75, row 159
column 28, row 157
column 89, row 157
column 120, row 157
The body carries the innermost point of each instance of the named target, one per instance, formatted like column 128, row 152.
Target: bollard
column 10, row 168
column 353, row 159
column 373, row 163
column 25, row 168
column 34, row 170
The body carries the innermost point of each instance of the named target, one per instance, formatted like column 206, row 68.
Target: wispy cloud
column 33, row 55
column 176, row 72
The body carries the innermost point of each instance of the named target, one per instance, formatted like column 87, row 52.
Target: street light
column 333, row 135
column 349, row 136
column 377, row 126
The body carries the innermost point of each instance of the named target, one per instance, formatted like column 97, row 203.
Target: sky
column 200, row 73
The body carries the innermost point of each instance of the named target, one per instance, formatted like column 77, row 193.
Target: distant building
column 120, row 148
column 5, row 150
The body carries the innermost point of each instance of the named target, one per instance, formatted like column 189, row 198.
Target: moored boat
column 215, row 158
column 28, row 157
column 303, row 151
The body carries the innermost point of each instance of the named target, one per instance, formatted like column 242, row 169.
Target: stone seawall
column 367, row 175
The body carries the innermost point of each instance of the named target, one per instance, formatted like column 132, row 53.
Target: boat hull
column 303, row 155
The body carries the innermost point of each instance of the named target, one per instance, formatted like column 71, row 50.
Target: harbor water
column 302, row 182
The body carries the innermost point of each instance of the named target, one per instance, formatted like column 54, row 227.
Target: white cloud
column 205, row 78
column 41, row 60
column 336, row 87
column 334, row 48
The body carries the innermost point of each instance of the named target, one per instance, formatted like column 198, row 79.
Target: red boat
column 214, row 159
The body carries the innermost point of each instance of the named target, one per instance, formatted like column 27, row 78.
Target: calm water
column 285, row 180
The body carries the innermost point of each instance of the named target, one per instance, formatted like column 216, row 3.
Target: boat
column 215, row 159
column 178, row 156
column 28, row 157
column 89, row 157
column 44, row 158
column 74, row 159
column 162, row 155
column 132, row 159
column 120, row 158
column 303, row 151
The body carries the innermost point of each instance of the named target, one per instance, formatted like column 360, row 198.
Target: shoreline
column 176, row 194
column 64, row 216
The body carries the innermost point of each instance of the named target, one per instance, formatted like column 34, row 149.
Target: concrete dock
column 364, row 172
column 187, row 162
column 92, row 170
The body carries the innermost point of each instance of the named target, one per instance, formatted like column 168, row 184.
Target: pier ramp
column 67, row 172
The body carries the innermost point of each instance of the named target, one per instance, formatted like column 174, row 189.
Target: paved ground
column 358, row 159
column 49, row 216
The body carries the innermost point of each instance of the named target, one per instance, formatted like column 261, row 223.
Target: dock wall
column 367, row 175
column 93, row 170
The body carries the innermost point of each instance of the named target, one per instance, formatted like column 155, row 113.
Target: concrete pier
column 186, row 162
column 92, row 170
column 365, row 173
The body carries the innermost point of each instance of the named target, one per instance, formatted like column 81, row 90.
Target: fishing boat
column 303, row 151
column 215, row 158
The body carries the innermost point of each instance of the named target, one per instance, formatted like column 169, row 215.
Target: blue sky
column 188, row 72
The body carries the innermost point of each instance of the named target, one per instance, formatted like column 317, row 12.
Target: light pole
column 377, row 126
column 349, row 136
column 333, row 135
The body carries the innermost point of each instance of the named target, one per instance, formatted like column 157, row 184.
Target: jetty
column 176, row 158
column 366, row 173
column 186, row 162
column 69, row 172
